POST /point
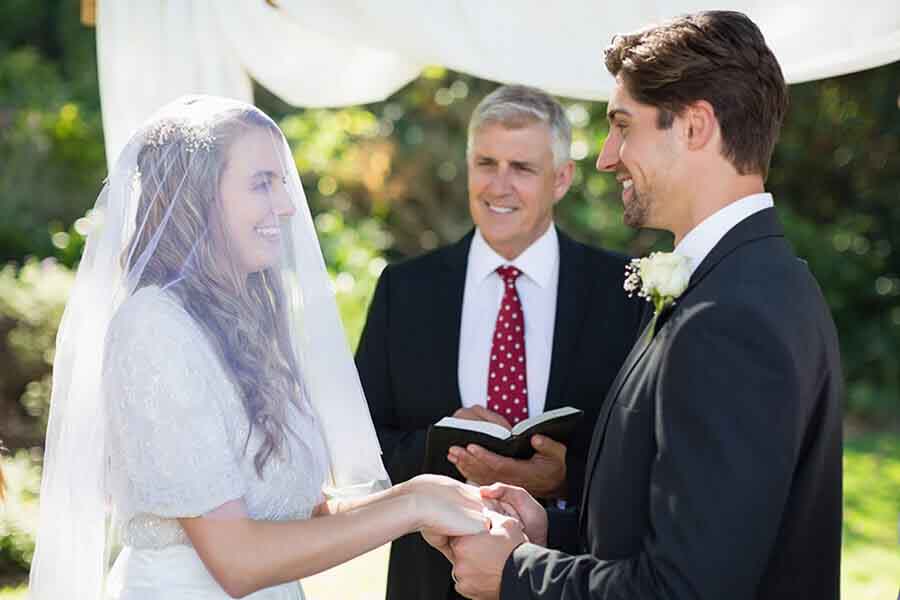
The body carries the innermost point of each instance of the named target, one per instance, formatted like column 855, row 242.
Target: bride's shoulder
column 152, row 311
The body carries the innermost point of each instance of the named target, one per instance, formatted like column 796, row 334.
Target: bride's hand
column 449, row 488
column 439, row 517
column 447, row 507
column 443, row 487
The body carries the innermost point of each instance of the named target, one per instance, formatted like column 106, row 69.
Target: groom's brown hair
column 717, row 56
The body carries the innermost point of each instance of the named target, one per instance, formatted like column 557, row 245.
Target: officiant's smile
column 515, row 179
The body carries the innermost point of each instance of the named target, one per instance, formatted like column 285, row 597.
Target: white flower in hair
column 197, row 136
column 659, row 278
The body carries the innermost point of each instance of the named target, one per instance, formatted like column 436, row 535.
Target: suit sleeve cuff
column 515, row 581
column 562, row 529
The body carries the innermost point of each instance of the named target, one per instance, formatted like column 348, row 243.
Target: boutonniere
column 659, row 278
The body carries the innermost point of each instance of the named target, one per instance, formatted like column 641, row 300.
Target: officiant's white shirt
column 700, row 240
column 537, row 286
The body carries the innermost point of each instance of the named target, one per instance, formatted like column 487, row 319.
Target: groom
column 715, row 467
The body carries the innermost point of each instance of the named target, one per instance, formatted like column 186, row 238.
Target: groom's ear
column 699, row 125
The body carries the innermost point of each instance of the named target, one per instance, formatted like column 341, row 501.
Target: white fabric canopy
column 340, row 52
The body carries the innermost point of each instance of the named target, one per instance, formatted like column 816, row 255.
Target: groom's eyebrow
column 615, row 112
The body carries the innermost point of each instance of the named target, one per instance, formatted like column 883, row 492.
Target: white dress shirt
column 537, row 285
column 700, row 240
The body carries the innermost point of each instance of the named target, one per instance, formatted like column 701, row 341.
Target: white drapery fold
column 342, row 52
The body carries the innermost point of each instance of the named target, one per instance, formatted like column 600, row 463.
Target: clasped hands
column 512, row 515
column 478, row 559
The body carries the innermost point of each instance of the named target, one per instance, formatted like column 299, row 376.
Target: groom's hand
column 497, row 513
column 543, row 475
column 478, row 560
column 518, row 503
column 439, row 542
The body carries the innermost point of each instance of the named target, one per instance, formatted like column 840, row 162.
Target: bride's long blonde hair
column 244, row 317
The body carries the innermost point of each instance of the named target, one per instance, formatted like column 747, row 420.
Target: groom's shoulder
column 763, row 281
column 767, row 268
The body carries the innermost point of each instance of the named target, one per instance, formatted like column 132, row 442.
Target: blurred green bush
column 32, row 299
column 19, row 512
column 51, row 137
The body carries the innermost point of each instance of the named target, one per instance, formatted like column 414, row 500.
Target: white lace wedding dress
column 177, row 449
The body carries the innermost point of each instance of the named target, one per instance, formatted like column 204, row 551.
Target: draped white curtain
column 340, row 52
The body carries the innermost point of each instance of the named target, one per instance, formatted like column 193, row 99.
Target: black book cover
column 558, row 424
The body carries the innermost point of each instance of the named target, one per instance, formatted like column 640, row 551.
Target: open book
column 557, row 424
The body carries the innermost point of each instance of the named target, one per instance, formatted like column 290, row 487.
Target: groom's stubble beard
column 636, row 211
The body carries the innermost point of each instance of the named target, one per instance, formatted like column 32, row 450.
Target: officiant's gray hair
column 516, row 106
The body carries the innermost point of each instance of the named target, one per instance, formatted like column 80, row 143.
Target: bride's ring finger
column 453, row 575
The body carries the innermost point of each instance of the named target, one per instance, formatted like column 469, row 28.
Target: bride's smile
column 255, row 201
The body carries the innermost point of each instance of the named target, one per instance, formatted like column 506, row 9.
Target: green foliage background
column 388, row 180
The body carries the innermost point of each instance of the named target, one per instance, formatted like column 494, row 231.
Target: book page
column 491, row 429
column 547, row 416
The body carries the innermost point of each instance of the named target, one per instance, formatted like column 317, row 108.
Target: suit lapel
column 634, row 357
column 449, row 288
column 571, row 302
column 760, row 225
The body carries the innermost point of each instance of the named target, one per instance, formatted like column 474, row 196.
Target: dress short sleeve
column 173, row 447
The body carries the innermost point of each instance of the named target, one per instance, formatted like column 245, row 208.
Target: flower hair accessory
column 659, row 278
column 196, row 136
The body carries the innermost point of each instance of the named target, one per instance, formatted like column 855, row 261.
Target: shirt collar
column 700, row 240
column 537, row 262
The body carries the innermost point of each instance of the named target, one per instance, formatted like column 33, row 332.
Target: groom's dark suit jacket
column 408, row 360
column 715, row 467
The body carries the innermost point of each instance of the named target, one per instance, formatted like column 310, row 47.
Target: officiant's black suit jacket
column 715, row 467
column 408, row 360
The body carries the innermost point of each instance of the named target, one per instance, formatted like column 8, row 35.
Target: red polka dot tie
column 507, row 382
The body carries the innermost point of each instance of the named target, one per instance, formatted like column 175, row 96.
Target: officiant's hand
column 480, row 413
column 478, row 560
column 543, row 475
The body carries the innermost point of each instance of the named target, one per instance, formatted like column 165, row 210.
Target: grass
column 362, row 578
column 13, row 593
column 870, row 566
column 871, row 554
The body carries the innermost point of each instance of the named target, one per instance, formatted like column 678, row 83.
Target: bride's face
column 254, row 201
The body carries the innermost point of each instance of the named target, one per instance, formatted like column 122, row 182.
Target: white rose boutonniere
column 659, row 278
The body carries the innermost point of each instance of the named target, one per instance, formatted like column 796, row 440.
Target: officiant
column 514, row 319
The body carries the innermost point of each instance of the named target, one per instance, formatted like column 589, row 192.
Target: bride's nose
column 283, row 205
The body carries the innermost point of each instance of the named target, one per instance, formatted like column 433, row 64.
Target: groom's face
column 514, row 185
column 643, row 157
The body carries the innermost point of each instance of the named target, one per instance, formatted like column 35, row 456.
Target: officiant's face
column 643, row 157
column 514, row 185
column 254, row 201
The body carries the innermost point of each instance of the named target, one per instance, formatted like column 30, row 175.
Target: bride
column 206, row 416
